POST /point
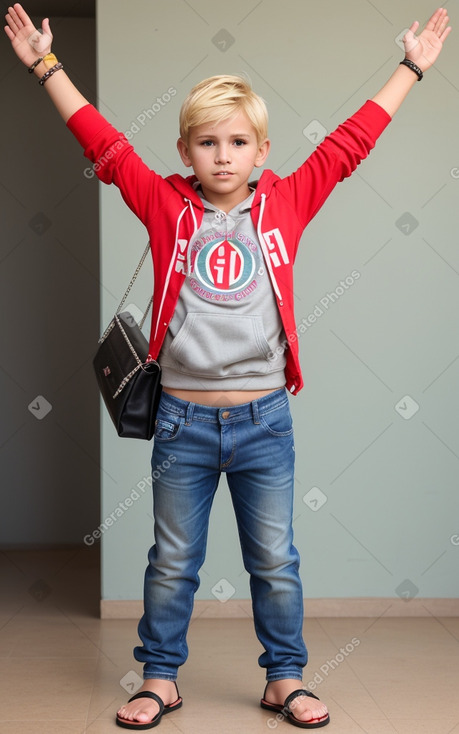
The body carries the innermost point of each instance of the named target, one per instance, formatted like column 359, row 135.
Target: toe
column 305, row 708
column 143, row 717
column 142, row 714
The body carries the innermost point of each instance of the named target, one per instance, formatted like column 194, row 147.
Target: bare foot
column 144, row 710
column 303, row 708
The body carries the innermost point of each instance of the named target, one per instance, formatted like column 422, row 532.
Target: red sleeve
column 115, row 161
column 334, row 159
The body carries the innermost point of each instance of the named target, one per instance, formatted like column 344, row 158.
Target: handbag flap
column 120, row 353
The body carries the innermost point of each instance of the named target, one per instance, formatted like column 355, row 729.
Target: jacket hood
column 184, row 186
column 264, row 185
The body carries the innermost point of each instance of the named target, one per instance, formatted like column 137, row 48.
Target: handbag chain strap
column 126, row 379
column 123, row 300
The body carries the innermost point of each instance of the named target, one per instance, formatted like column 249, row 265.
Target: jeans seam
column 233, row 448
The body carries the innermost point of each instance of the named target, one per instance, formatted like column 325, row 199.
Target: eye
column 239, row 143
column 206, row 143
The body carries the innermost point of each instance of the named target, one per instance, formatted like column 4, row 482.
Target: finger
column 13, row 20
column 21, row 14
column 15, row 15
column 409, row 39
column 9, row 33
column 433, row 20
column 46, row 28
column 440, row 20
column 442, row 25
column 445, row 34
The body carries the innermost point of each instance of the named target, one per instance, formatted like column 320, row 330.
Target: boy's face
column 223, row 157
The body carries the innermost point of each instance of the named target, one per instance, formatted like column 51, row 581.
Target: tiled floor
column 61, row 666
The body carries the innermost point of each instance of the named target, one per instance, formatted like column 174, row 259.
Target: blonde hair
column 220, row 98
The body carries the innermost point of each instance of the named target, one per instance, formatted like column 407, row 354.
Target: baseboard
column 358, row 607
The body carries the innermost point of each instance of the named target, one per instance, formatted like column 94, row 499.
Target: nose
column 222, row 154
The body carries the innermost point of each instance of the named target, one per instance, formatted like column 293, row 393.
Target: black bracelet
column 414, row 67
column 31, row 68
column 50, row 72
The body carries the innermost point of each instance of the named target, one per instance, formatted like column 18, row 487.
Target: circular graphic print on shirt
column 227, row 266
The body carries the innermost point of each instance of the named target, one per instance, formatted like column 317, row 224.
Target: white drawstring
column 174, row 256
column 195, row 223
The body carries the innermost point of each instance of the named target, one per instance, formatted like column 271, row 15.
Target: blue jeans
column 193, row 444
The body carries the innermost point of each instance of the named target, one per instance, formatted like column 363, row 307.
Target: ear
column 263, row 152
column 182, row 148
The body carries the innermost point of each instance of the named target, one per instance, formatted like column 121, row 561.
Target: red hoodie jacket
column 172, row 211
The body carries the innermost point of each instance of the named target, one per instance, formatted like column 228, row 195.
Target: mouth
column 223, row 173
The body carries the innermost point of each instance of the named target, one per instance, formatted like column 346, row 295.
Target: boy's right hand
column 29, row 44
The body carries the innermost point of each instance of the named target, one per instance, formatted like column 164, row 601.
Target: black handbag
column 129, row 384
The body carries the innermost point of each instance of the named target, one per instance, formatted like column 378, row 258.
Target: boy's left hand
column 425, row 48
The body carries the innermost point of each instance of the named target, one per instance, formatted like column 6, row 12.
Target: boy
column 223, row 330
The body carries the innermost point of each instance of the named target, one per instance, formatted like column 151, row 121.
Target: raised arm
column 31, row 44
column 422, row 51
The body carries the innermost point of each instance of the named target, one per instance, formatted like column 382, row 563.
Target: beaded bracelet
column 50, row 72
column 31, row 68
column 414, row 67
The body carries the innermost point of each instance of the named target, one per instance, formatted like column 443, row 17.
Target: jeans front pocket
column 278, row 422
column 168, row 425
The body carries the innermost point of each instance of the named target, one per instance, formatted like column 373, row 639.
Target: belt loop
column 189, row 414
column 255, row 412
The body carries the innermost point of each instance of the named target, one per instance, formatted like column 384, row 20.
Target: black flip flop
column 288, row 714
column 163, row 709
